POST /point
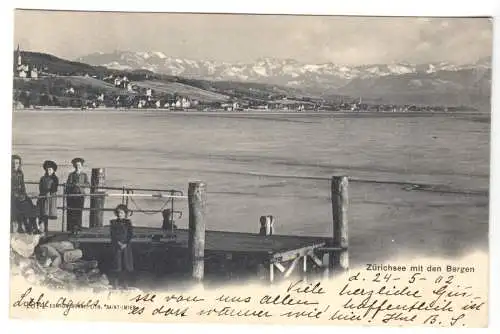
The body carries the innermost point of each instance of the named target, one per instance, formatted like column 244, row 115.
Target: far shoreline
column 215, row 112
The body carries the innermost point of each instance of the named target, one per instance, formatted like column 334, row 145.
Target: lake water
column 280, row 164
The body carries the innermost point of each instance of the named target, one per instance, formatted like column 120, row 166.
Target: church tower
column 19, row 59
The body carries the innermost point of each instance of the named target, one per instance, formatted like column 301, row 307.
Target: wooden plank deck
column 216, row 241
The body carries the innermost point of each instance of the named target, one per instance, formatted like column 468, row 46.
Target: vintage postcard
column 260, row 169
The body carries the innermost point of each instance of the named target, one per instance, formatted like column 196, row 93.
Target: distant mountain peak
column 324, row 77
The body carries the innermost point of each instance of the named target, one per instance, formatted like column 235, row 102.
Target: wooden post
column 264, row 226
column 304, row 268
column 267, row 225
column 63, row 219
column 196, row 242
column 271, row 272
column 340, row 259
column 326, row 265
column 270, row 224
column 96, row 216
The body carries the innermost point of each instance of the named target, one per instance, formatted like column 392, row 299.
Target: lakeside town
column 38, row 86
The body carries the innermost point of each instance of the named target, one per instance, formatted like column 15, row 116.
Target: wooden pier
column 198, row 251
column 276, row 252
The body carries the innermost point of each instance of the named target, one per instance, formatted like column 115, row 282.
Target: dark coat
column 121, row 230
column 21, row 205
column 18, row 187
column 48, row 186
column 76, row 183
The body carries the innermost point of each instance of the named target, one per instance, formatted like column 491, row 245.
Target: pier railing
column 328, row 255
column 97, row 192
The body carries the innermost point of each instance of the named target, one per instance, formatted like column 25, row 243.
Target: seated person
column 168, row 220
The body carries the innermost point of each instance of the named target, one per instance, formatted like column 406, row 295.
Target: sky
column 245, row 38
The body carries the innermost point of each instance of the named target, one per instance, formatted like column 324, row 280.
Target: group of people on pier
column 34, row 218
column 28, row 217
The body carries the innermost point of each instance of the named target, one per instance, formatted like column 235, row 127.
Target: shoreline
column 246, row 112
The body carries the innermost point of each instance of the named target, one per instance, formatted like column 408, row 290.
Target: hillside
column 87, row 80
column 52, row 64
column 182, row 89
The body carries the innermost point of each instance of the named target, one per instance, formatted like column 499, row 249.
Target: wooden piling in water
column 304, row 268
column 340, row 200
column 96, row 215
column 266, row 225
column 197, row 220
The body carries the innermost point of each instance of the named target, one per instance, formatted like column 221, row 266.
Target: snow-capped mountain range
column 319, row 78
column 287, row 71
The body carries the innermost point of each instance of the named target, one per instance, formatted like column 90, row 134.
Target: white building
column 34, row 73
column 23, row 70
column 22, row 73
column 141, row 104
column 185, row 103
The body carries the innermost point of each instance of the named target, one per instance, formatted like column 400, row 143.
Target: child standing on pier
column 121, row 234
column 48, row 187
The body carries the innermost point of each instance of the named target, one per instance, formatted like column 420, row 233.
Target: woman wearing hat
column 48, row 185
column 17, row 195
column 77, row 182
column 23, row 211
column 121, row 233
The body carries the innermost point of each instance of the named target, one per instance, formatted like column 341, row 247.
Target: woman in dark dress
column 77, row 182
column 121, row 231
column 17, row 194
column 47, row 205
column 23, row 212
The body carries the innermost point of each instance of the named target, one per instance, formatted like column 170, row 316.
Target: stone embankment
column 56, row 264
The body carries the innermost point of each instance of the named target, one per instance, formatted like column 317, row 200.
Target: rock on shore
column 54, row 264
